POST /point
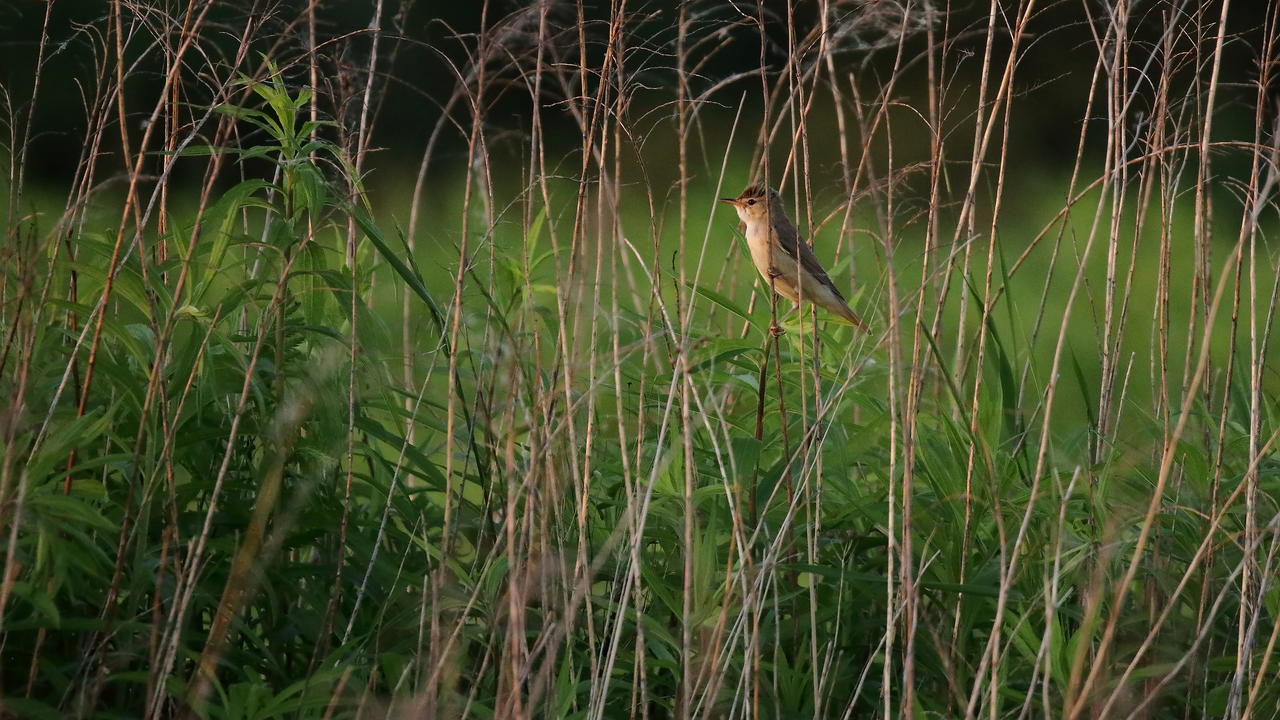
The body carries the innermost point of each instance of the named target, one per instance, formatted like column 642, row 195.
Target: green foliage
column 580, row 493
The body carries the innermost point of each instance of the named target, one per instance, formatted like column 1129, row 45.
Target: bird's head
column 753, row 203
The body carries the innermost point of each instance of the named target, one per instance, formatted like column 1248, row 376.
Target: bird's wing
column 790, row 242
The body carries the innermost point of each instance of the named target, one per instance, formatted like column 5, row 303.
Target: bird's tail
column 853, row 318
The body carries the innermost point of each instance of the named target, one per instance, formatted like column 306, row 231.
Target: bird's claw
column 775, row 331
column 774, row 273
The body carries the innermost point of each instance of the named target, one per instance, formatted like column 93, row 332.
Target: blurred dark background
column 428, row 44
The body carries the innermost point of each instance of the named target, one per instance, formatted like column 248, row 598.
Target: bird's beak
column 731, row 201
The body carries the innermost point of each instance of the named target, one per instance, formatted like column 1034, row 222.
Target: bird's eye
column 751, row 202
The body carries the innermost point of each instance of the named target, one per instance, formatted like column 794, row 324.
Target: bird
column 783, row 258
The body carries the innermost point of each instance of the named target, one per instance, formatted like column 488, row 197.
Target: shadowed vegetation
column 400, row 363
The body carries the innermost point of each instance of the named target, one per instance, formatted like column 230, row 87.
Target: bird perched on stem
column 783, row 258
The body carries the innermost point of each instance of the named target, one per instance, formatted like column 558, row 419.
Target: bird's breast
column 758, row 243
column 762, row 249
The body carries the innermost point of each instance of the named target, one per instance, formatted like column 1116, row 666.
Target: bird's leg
column 774, row 274
column 795, row 307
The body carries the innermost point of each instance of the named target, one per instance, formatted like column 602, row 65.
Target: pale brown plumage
column 783, row 258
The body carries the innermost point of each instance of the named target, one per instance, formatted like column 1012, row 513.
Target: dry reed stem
column 601, row 412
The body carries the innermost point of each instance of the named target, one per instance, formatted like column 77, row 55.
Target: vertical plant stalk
column 247, row 564
column 682, row 376
column 452, row 409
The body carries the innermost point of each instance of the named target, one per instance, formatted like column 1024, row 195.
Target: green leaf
column 720, row 300
column 411, row 278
